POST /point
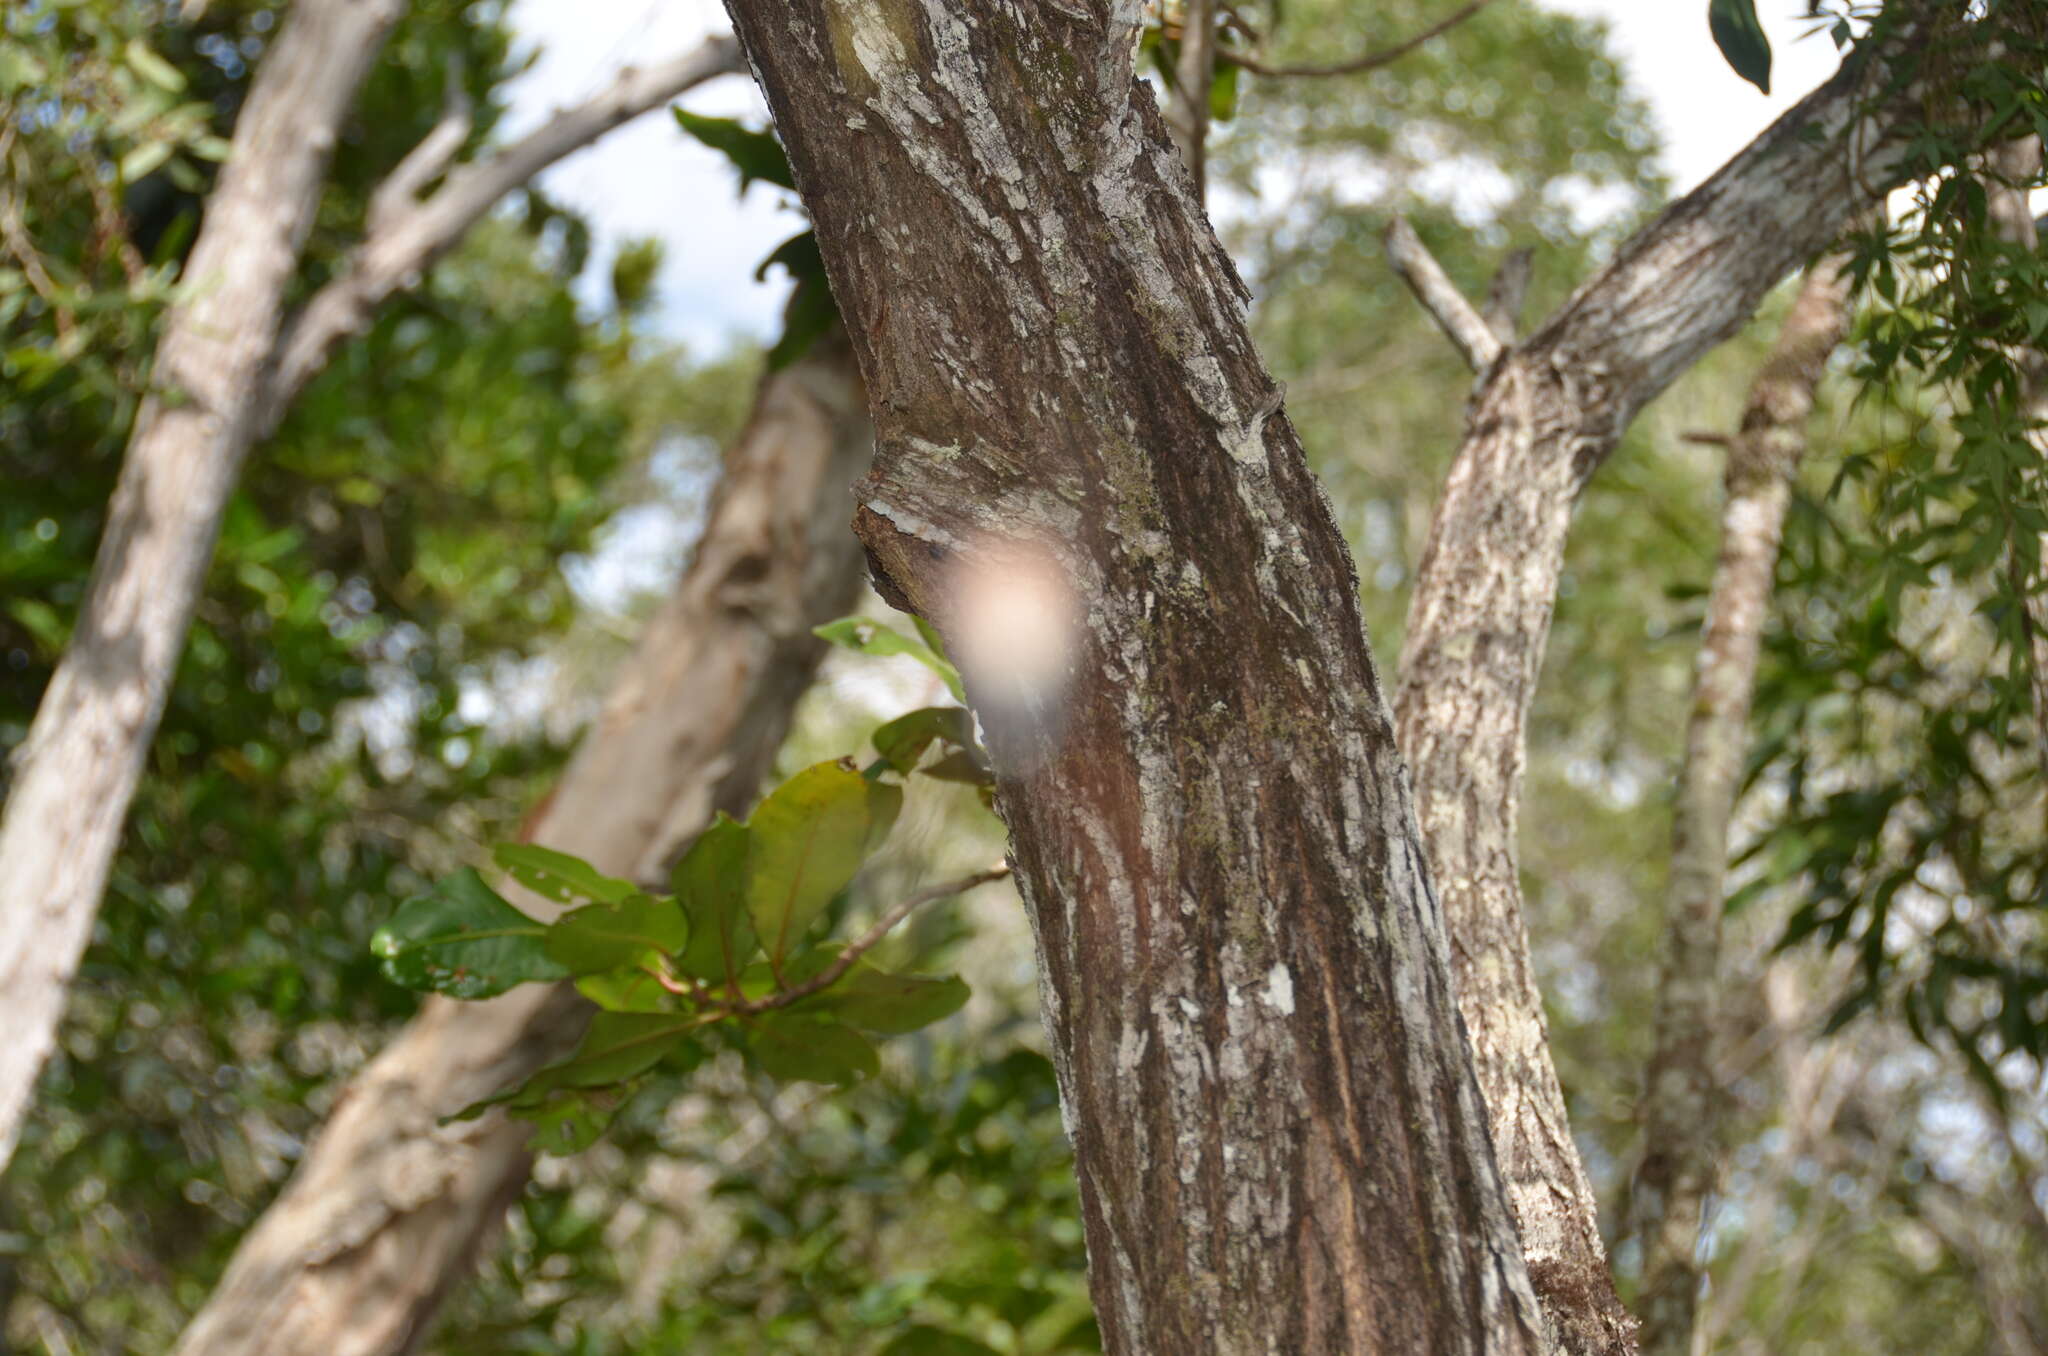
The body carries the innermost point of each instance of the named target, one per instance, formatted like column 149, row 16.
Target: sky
column 648, row 179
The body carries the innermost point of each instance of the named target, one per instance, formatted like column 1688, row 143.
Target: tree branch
column 1187, row 109
column 1504, row 298
column 1470, row 334
column 1365, row 62
column 407, row 235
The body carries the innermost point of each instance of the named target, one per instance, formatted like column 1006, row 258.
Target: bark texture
column 1279, row 1141
column 1682, row 1102
column 78, row 767
column 1544, row 417
column 387, row 1209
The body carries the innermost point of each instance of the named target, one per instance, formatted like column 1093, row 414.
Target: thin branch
column 400, row 191
column 1366, row 62
column 1187, row 110
column 868, row 940
column 1503, row 308
column 1463, row 326
column 412, row 234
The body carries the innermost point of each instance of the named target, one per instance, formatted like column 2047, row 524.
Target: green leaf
column 965, row 764
column 153, row 68
column 872, row 637
column 1223, row 92
column 757, row 155
column 810, row 314
column 144, row 158
column 619, row 1046
column 809, row 839
column 875, row 1000
column 798, row 1047
column 602, row 937
column 902, row 741
column 558, row 876
column 626, row 990
column 1741, row 39
column 19, row 69
column 463, row 940
column 568, row 1122
column 711, row 885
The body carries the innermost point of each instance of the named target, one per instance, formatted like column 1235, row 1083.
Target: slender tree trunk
column 1544, row 417
column 1279, row 1142
column 389, row 1206
column 1682, row 1101
column 84, row 752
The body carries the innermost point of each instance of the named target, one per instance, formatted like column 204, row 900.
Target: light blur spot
column 1015, row 631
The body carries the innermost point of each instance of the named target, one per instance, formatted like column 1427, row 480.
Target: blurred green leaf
column 600, row 937
column 558, row 876
column 711, row 885
column 464, row 941
column 809, row 839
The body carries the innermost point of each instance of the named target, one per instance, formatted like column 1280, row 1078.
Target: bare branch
column 401, row 189
column 870, row 939
column 1367, row 61
column 412, row 235
column 1187, row 110
column 1510, row 288
column 1468, row 332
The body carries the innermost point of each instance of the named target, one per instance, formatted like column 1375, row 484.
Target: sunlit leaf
column 558, row 876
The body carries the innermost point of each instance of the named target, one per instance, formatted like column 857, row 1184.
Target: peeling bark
column 1544, row 417
column 1682, row 1100
column 386, row 1211
column 1279, row 1141
column 77, row 770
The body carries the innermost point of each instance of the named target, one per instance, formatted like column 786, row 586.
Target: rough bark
column 1243, row 973
column 77, row 770
column 1544, row 417
column 388, row 1207
column 1682, row 1109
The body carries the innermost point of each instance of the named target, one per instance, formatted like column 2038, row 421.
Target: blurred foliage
column 339, row 723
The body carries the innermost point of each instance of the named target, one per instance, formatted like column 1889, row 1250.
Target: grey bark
column 77, row 770
column 388, row 1207
column 1682, row 1109
column 1243, row 973
column 1543, row 418
column 229, row 375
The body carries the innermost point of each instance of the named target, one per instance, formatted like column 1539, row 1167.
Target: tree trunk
column 84, row 752
column 1682, row 1100
column 1279, row 1141
column 388, row 1207
column 1544, row 417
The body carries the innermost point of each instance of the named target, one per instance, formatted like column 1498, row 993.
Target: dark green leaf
column 602, row 937
column 756, row 154
column 902, row 741
column 875, row 1000
column 1741, row 39
column 558, row 876
column 809, row 839
column 799, row 1047
column 711, row 885
column 925, row 1340
column 810, row 313
column 463, row 940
